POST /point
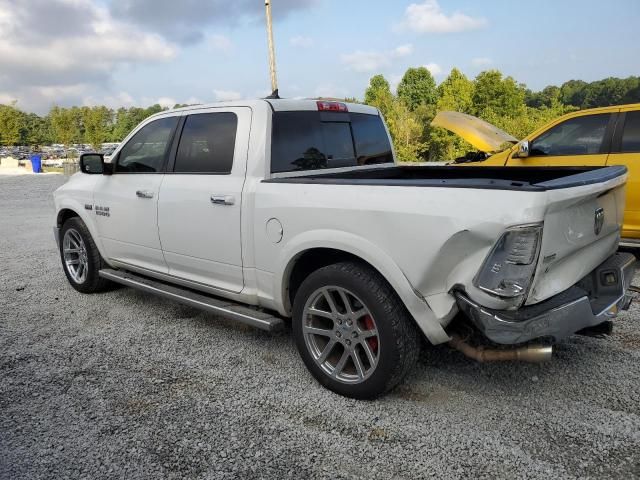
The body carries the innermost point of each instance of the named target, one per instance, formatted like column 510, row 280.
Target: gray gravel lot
column 126, row 385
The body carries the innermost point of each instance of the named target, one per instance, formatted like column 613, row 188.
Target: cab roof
column 280, row 105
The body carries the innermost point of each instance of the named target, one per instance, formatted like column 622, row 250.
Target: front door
column 578, row 141
column 126, row 203
column 626, row 151
column 201, row 198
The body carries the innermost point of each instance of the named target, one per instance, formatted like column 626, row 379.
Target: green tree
column 378, row 94
column 633, row 95
column 12, row 124
column 125, row 121
column 417, row 87
column 501, row 102
column 573, row 92
column 97, row 123
column 64, row 124
column 152, row 110
column 544, row 98
column 407, row 133
column 501, row 96
column 37, row 130
column 455, row 94
column 610, row 91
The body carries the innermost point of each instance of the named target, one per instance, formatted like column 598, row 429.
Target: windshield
column 310, row 140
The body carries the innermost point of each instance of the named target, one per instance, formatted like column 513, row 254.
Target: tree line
column 500, row 100
column 86, row 125
column 408, row 110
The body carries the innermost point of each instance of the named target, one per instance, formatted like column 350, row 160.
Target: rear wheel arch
column 312, row 259
column 312, row 254
column 307, row 262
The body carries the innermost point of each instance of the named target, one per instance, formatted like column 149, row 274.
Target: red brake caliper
column 369, row 325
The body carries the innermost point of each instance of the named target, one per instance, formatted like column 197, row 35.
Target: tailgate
column 581, row 229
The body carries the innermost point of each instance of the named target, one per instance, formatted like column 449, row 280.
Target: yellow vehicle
column 600, row 136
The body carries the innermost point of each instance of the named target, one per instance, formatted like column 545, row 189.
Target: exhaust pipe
column 533, row 354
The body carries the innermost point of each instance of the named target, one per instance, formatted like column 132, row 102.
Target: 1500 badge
column 102, row 211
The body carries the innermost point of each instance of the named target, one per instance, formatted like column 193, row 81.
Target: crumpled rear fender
column 370, row 253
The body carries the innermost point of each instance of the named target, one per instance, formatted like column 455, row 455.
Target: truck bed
column 497, row 178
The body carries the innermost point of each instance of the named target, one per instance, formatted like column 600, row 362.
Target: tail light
column 331, row 106
column 508, row 270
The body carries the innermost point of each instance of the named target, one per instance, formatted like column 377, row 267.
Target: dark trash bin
column 36, row 163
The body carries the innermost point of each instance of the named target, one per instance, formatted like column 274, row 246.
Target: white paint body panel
column 130, row 233
column 201, row 240
column 424, row 241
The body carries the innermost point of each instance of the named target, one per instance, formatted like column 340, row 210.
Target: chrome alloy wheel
column 75, row 255
column 341, row 334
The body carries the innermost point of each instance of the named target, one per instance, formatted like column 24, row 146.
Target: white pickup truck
column 267, row 210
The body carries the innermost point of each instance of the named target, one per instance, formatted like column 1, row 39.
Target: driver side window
column 145, row 152
column 577, row 136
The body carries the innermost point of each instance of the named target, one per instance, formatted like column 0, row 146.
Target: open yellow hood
column 482, row 135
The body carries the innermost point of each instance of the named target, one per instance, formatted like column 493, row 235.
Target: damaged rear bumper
column 595, row 299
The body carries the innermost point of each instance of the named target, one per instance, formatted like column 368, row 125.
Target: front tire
column 81, row 260
column 352, row 331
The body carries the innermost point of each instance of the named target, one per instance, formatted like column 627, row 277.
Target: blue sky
column 138, row 52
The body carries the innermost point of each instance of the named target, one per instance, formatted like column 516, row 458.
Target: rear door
column 581, row 140
column 201, row 198
column 626, row 151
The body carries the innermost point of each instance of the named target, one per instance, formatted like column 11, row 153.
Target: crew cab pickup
column 267, row 210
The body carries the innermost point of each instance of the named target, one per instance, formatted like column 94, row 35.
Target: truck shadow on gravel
column 443, row 374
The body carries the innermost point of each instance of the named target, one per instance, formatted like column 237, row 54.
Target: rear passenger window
column 309, row 140
column 207, row 143
column 576, row 136
column 631, row 133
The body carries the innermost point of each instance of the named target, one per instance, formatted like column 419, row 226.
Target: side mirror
column 523, row 149
column 92, row 163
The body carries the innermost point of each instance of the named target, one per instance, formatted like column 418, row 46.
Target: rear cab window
column 312, row 140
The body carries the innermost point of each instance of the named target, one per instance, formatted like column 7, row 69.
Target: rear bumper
column 630, row 242
column 595, row 299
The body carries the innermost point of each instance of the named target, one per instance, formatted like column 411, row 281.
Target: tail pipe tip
column 531, row 353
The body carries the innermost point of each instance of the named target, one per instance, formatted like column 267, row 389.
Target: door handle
column 223, row 199
column 144, row 194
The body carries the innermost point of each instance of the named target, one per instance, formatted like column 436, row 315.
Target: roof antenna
column 272, row 53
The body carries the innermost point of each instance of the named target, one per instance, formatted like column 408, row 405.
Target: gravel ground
column 126, row 385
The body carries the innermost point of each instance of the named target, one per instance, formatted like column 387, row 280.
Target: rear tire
column 352, row 331
column 81, row 260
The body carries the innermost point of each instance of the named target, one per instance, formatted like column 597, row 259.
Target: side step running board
column 224, row 308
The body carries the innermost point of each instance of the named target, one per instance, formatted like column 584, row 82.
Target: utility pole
column 272, row 52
